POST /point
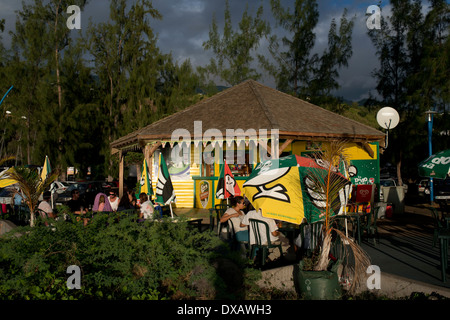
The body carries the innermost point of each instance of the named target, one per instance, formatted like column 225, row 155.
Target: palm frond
column 327, row 186
column 360, row 260
column 31, row 184
column 6, row 159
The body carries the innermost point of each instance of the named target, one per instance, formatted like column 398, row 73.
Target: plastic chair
column 258, row 227
column 444, row 206
column 369, row 226
column 441, row 233
column 438, row 225
column 232, row 237
column 311, row 236
column 220, row 210
column 444, row 236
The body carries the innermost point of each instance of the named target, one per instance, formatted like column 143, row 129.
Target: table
column 197, row 221
column 190, row 221
column 290, row 230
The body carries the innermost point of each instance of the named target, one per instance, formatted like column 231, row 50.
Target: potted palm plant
column 317, row 276
column 32, row 186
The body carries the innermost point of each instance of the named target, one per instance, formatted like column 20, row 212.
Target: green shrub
column 119, row 258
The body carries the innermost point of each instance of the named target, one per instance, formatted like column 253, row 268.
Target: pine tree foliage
column 233, row 49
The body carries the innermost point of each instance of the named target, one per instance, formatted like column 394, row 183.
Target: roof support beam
column 284, row 146
column 367, row 148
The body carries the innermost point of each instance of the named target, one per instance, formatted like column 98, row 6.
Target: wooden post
column 121, row 160
column 149, row 150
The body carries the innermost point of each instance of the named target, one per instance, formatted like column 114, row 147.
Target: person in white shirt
column 45, row 208
column 146, row 211
column 276, row 237
column 113, row 200
column 236, row 216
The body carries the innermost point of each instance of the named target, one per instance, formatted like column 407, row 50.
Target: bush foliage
column 119, row 258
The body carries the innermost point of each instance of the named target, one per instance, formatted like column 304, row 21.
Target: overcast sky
column 185, row 26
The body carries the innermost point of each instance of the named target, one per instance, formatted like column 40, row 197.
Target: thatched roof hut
column 251, row 105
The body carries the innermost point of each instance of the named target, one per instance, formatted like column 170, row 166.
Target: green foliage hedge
column 119, row 258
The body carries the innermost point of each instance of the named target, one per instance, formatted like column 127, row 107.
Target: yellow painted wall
column 184, row 189
column 188, row 191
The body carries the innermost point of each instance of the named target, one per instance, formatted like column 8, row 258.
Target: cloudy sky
column 185, row 26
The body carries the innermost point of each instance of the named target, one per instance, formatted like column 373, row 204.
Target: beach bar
column 243, row 125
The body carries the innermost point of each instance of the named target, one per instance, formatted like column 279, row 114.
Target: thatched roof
column 251, row 105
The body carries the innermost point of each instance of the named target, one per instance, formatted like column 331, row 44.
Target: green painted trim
column 204, row 178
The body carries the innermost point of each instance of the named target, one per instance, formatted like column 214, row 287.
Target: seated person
column 236, row 216
column 45, row 208
column 18, row 200
column 125, row 203
column 76, row 205
column 101, row 203
column 276, row 237
column 146, row 211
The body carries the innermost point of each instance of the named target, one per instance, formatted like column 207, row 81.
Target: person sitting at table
column 132, row 198
column 124, row 203
column 101, row 203
column 276, row 237
column 236, row 216
column 146, row 210
column 45, row 209
column 76, row 204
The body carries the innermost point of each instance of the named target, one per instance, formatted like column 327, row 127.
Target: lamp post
column 7, row 114
column 430, row 149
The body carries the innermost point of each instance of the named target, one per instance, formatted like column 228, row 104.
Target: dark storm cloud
column 185, row 26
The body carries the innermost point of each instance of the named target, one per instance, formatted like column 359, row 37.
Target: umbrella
column 284, row 189
column 45, row 173
column 146, row 181
column 436, row 165
column 5, row 180
column 227, row 186
column 46, row 169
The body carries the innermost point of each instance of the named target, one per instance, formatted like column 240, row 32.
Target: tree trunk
column 399, row 172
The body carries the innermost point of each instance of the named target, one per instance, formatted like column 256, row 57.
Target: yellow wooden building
column 244, row 124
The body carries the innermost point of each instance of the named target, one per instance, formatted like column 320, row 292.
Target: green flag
column 165, row 193
column 146, row 181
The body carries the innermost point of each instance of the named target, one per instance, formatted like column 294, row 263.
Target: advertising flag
column 146, row 181
column 165, row 194
column 46, row 169
column 227, row 186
